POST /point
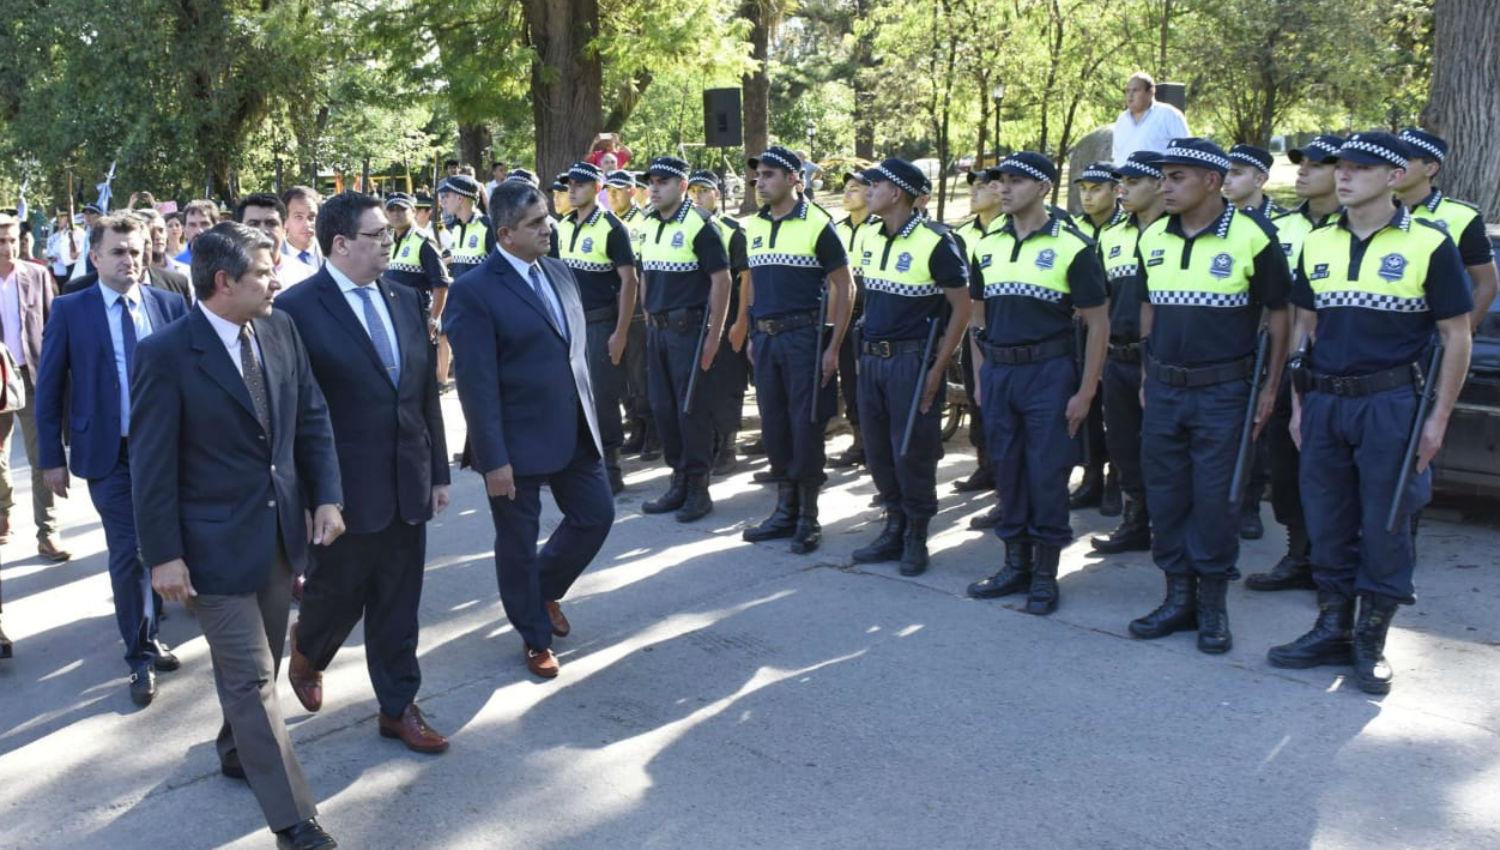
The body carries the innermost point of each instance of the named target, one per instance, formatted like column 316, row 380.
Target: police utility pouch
column 12, row 387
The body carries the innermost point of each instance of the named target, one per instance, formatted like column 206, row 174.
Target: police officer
column 1244, row 184
column 1371, row 289
column 915, row 282
column 793, row 249
column 1141, row 198
column 984, row 202
column 1098, row 194
column 618, row 191
column 857, row 219
column 596, row 246
column 731, row 369
column 1027, row 279
column 1315, row 163
column 686, row 274
column 561, row 206
column 1461, row 220
column 1209, row 270
column 473, row 238
column 415, row 261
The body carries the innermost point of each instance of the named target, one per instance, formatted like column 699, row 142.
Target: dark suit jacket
column 389, row 438
column 78, row 375
column 522, row 384
column 35, row 288
column 160, row 279
column 209, row 486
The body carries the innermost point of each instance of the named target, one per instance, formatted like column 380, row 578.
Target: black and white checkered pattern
column 901, row 184
column 1122, row 270
column 773, row 259
column 1248, row 160
column 1195, row 298
column 773, row 156
column 665, row 167
column 404, row 267
column 1013, row 165
column 896, row 287
column 1097, row 175
column 588, row 265
column 668, row 266
column 1369, row 301
column 1001, row 289
column 1136, row 168
column 1381, row 151
column 1424, row 146
column 1205, row 157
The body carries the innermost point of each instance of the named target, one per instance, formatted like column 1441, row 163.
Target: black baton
column 1080, row 354
column 916, row 394
column 817, row 384
column 1247, row 428
column 1414, row 439
column 687, row 401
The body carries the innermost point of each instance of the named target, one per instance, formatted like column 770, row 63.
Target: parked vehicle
column 1469, row 463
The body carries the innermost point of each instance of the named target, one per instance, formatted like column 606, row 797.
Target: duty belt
column 1356, row 385
column 1181, row 376
column 780, row 324
column 1125, row 352
column 685, row 319
column 603, row 314
column 1018, row 355
column 890, row 348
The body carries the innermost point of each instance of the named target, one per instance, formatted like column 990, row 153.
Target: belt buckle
column 882, row 348
column 1342, row 385
column 1177, row 376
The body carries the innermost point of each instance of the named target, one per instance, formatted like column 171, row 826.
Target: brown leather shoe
column 4, row 529
column 47, row 547
column 560, row 625
column 306, row 682
column 413, row 731
column 542, row 662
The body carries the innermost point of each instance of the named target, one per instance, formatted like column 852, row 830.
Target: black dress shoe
column 143, row 686
column 165, row 661
column 980, row 479
column 306, row 835
column 987, row 520
column 1250, row 524
column 1089, row 492
column 1110, row 504
column 230, row 765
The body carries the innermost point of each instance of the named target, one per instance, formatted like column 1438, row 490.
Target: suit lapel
column 214, row 360
column 281, row 383
column 98, row 320
column 335, row 303
column 522, row 288
column 409, row 334
column 153, row 309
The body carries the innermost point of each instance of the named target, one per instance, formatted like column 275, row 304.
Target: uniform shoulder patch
column 1069, row 229
column 814, row 205
column 937, row 227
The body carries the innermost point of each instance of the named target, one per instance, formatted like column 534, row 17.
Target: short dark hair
column 300, row 193
column 340, row 217
column 224, row 247
column 450, row 163
column 202, row 207
column 510, row 199
column 499, row 163
column 122, row 221
column 260, row 199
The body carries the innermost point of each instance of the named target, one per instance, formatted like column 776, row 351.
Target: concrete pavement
column 717, row 694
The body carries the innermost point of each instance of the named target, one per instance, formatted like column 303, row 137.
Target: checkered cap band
column 1206, row 157
column 666, row 266
column 896, row 287
column 1194, row 298
column 1098, row 175
column 1136, row 168
column 773, row 156
column 1320, row 146
column 1026, row 290
column 586, row 172
column 1016, row 166
column 666, row 168
column 793, row 260
column 703, row 180
column 1381, row 151
column 1246, row 158
column 902, row 184
column 1424, row 146
column 620, row 180
column 1369, row 301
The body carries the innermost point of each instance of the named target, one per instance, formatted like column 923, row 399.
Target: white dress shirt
column 10, row 315
column 115, row 318
column 523, row 269
column 357, row 304
column 1161, row 124
column 293, row 269
column 61, row 252
column 229, row 334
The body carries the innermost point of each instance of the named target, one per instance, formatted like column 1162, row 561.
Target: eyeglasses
column 384, row 234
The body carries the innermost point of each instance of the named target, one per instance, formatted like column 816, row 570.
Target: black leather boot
column 637, row 438
column 982, row 478
column 768, row 476
column 670, row 500
column 1014, row 577
column 1213, row 616
column 987, row 520
column 1177, row 612
column 809, row 534
column 1371, row 671
column 852, row 456
column 1293, row 571
column 1133, row 533
column 6, row 648
column 886, row 547
column 1109, row 503
column 612, row 467
column 1331, row 641
column 697, row 504
column 755, row 448
column 782, row 521
column 1251, row 528
column 1042, row 594
column 1090, row 490
column 914, row 548
column 727, row 460
column 651, row 445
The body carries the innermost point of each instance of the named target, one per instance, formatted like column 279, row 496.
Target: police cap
column 1375, row 148
column 461, row 184
column 1197, row 152
column 422, row 201
column 668, row 166
column 1141, row 164
column 704, row 177
column 906, row 177
column 1097, row 172
column 1425, row 145
column 619, row 179
column 1029, row 164
column 583, row 172
column 560, row 182
column 524, row 176
column 1322, row 149
column 399, row 199
column 93, row 208
column 1252, row 156
column 780, row 157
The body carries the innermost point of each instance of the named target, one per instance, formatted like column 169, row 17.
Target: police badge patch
column 588, row 244
column 1440, row 224
column 1392, row 267
column 903, row 262
column 1046, row 258
column 757, row 242
column 1114, row 251
column 1319, row 272
column 678, row 239
column 473, row 241
column 1221, row 266
column 984, row 261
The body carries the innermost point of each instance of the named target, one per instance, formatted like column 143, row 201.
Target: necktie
column 541, row 292
column 127, row 331
column 378, row 335
column 255, row 380
column 305, row 257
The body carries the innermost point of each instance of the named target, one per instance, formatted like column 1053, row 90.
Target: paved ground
column 717, row 694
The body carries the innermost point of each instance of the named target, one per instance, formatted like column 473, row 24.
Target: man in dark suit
column 520, row 341
column 88, row 348
column 26, row 292
column 230, row 445
column 157, row 276
column 369, row 349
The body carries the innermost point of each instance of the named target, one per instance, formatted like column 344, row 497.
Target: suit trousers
column 135, row 604
column 528, row 579
column 378, row 577
column 1121, row 391
column 43, row 513
column 246, row 633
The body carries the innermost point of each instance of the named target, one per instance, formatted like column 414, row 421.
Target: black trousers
column 976, row 415
column 609, row 383
column 637, row 397
column 1122, row 423
column 1283, row 459
column 687, row 438
column 377, row 576
column 730, row 375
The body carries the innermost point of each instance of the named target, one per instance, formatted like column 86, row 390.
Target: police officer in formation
column 619, row 189
column 686, row 274
column 594, row 243
column 1210, row 270
column 984, row 203
column 800, row 281
column 1098, row 195
column 1371, row 289
column 916, row 312
column 731, row 370
column 415, row 260
column 857, row 218
column 1029, row 277
column 1244, row 183
column 473, row 237
column 1141, row 198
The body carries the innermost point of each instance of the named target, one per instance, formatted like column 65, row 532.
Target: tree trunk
column 474, row 141
column 755, row 105
column 567, row 79
column 1464, row 103
column 985, row 105
column 864, row 95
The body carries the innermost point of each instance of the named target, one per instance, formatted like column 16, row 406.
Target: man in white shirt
column 63, row 246
column 299, row 251
column 1146, row 124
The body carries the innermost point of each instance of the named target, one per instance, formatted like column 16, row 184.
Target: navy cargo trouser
column 687, row 439
column 1031, row 454
column 886, row 385
column 785, row 393
column 608, row 380
column 1121, row 392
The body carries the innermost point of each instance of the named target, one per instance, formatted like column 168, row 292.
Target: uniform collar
column 869, row 219
column 1266, row 207
column 1433, row 200
column 912, row 223
column 677, row 217
column 1304, row 209
column 593, row 216
column 1220, row 227
column 1051, row 228
column 798, row 211
column 1400, row 218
